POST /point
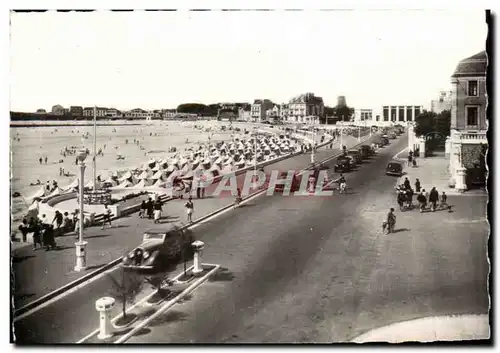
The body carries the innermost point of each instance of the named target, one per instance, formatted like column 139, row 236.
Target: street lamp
column 81, row 264
column 313, row 145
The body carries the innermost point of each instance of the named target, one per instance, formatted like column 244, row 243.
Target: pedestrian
column 189, row 209
column 34, row 227
column 417, row 185
column 444, row 199
column 422, row 200
column 107, row 216
column 391, row 221
column 49, row 237
column 24, row 228
column 66, row 222
column 157, row 211
column 433, row 198
column 40, row 160
column 410, row 157
column 58, row 218
column 46, row 159
column 143, row 210
column 407, row 184
column 149, row 208
column 401, row 200
column 409, row 198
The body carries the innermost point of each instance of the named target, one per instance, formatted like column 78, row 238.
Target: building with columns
column 400, row 114
column 468, row 143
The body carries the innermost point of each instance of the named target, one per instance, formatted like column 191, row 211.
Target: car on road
column 394, row 168
column 352, row 161
column 366, row 151
column 393, row 136
column 357, row 155
column 159, row 250
column 343, row 165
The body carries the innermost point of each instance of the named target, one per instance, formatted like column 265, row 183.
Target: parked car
column 393, row 136
column 357, row 155
column 159, row 250
column 366, row 151
column 394, row 168
column 343, row 165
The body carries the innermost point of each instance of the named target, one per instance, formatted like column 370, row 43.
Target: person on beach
column 189, row 209
column 157, row 211
column 107, row 216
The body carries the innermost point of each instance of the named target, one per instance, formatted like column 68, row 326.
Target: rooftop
column 474, row 66
column 306, row 98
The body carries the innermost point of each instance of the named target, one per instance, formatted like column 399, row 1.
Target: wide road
column 318, row 269
column 311, row 269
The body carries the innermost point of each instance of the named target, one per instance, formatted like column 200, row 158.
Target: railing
column 470, row 137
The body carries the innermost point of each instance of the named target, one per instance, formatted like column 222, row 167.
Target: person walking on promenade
column 422, row 200
column 410, row 157
column 48, row 237
column 46, row 159
column 66, row 222
column 417, row 185
column 407, row 184
column 189, row 209
column 444, row 199
column 433, row 198
column 40, row 160
column 144, row 209
column 34, row 227
column 149, row 208
column 58, row 218
column 107, row 216
column 24, row 228
column 157, row 211
column 391, row 221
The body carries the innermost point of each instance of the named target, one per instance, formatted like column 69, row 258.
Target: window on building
column 472, row 88
column 409, row 114
column 401, row 116
column 472, row 116
column 386, row 114
column 417, row 111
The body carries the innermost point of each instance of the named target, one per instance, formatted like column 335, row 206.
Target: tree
column 424, row 123
column 343, row 113
column 442, row 123
column 126, row 288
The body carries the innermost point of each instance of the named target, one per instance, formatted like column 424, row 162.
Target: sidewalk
column 39, row 272
column 432, row 172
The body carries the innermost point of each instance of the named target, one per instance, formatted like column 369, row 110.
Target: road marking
column 132, row 307
column 168, row 305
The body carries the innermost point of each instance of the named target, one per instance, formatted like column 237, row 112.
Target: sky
column 156, row 60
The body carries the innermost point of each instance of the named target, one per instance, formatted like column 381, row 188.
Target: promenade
column 39, row 272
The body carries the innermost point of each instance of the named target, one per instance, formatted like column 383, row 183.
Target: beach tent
column 145, row 175
column 57, row 191
column 156, row 168
column 125, row 184
column 157, row 175
column 73, row 185
column 39, row 193
column 173, row 175
column 189, row 175
column 171, row 168
column 111, row 181
column 142, row 184
column 125, row 176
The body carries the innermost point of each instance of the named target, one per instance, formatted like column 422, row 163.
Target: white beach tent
column 142, row 184
column 74, row 184
column 111, row 181
column 124, row 184
column 39, row 193
column 157, row 175
column 57, row 191
column 125, row 176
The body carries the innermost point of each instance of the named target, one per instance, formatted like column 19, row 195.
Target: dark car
column 343, row 165
column 357, row 155
column 158, row 251
column 393, row 136
column 394, row 168
column 366, row 151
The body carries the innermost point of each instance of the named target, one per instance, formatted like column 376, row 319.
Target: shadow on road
column 223, row 275
column 97, row 236
column 18, row 259
column 400, row 230
column 169, row 316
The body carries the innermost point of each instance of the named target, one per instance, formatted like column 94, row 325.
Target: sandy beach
column 155, row 138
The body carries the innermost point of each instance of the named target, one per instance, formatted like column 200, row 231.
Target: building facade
column 244, row 114
column 58, row 110
column 259, row 108
column 362, row 115
column 306, row 108
column 468, row 143
column 76, row 111
column 400, row 114
column 443, row 102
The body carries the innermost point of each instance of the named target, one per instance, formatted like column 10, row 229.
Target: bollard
column 81, row 263
column 197, row 247
column 104, row 306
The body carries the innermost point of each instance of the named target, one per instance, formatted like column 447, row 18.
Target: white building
column 443, row 102
column 363, row 115
column 259, row 108
column 306, row 108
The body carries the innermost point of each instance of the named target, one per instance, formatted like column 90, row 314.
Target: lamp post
column 313, row 145
column 81, row 245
